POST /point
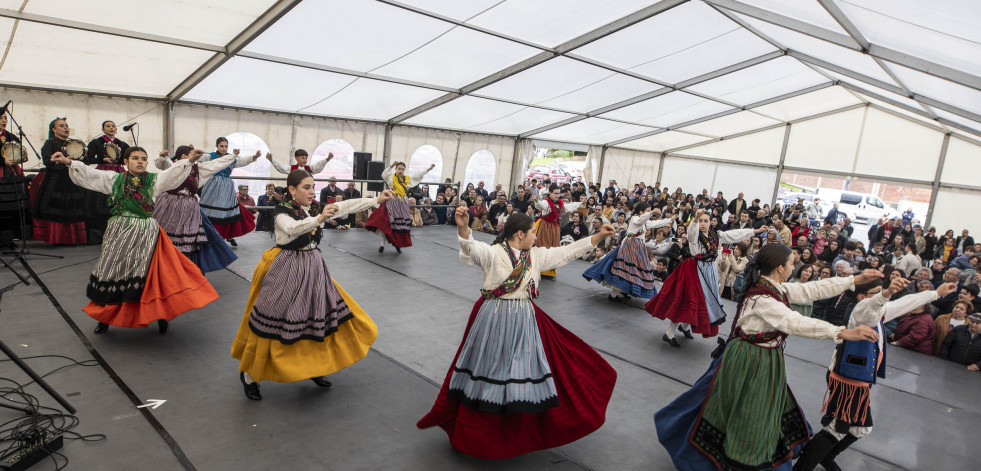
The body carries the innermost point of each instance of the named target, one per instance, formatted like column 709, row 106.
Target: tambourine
column 74, row 149
column 113, row 151
column 13, row 153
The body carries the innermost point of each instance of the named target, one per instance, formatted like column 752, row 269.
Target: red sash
column 553, row 217
column 305, row 167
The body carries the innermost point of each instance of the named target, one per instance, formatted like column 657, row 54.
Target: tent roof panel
column 460, row 11
column 52, row 56
column 259, row 84
column 731, row 124
column 613, row 89
column 593, row 131
column 456, row 58
column 939, row 89
column 874, row 89
column 552, row 22
column 942, row 31
column 208, row 21
column 373, row 99
column 759, row 82
column 663, row 141
column 668, row 110
column 324, row 32
column 808, row 11
column 808, row 104
column 469, row 112
column 521, row 121
column 975, row 125
column 889, row 106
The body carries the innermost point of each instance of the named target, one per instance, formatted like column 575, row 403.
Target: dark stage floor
column 926, row 411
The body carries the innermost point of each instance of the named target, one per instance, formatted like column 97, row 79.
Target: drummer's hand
column 164, row 153
column 60, row 158
column 236, row 151
column 194, row 155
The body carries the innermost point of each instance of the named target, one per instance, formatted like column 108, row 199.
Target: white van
column 861, row 207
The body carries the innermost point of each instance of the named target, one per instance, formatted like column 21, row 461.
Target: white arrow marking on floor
column 152, row 403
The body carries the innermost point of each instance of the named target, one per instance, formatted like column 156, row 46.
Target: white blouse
column 544, row 207
column 288, row 229
column 725, row 237
column 496, row 265
column 639, row 225
column 102, row 180
column 314, row 168
column 205, row 169
column 414, row 178
column 766, row 313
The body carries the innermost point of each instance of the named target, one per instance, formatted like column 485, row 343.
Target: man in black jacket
column 521, row 200
column 963, row 241
column 963, row 344
column 737, row 205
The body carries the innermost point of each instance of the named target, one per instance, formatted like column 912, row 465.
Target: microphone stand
column 22, row 212
column 132, row 133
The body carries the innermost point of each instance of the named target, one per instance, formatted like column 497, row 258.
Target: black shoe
column 829, row 460
column 816, row 450
column 381, row 249
column 398, row 249
column 626, row 297
column 163, row 325
column 101, row 328
column 686, row 332
column 232, row 243
column 321, row 381
column 673, row 342
column 612, row 297
column 251, row 389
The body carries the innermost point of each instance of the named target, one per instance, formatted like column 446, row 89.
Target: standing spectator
column 813, row 211
column 480, row 190
column 846, row 228
column 908, row 216
column 521, row 200
column 737, row 205
column 754, row 210
column 264, row 223
column 963, row 344
column 803, row 275
column 963, row 242
column 910, row 261
column 946, row 252
column 832, row 216
column 244, row 198
column 931, row 243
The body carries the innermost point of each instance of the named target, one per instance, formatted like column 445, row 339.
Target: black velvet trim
column 116, row 291
column 289, row 341
column 225, row 221
column 641, row 270
column 485, row 379
column 216, row 208
column 516, row 407
column 712, row 441
column 342, row 308
column 181, row 236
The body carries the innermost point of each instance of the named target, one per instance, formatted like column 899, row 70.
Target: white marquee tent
column 717, row 94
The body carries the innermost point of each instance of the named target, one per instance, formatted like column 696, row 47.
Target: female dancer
column 519, row 381
column 627, row 269
column 299, row 323
column 58, row 204
column 13, row 193
column 218, row 201
column 181, row 217
column 97, row 152
column 392, row 221
column 690, row 295
column 140, row 276
column 547, row 230
column 301, row 157
column 741, row 414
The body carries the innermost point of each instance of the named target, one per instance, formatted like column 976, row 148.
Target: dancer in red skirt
column 519, row 381
column 689, row 298
column 392, row 220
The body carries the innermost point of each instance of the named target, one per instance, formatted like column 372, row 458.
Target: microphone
column 3, row 109
column 128, row 127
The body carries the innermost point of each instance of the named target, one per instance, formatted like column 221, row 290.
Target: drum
column 74, row 149
column 13, row 153
column 112, row 151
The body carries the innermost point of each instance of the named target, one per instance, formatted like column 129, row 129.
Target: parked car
column 791, row 199
column 863, row 207
column 542, row 172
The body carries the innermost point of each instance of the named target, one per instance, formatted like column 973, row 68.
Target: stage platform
column 926, row 411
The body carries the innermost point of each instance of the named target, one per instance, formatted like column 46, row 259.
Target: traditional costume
column 97, row 151
column 299, row 323
column 547, row 230
column 179, row 215
column 59, row 206
column 311, row 169
column 691, row 294
column 140, row 276
column 219, row 202
column 741, row 413
column 393, row 220
column 13, row 198
column 627, row 269
column 854, row 367
column 519, row 381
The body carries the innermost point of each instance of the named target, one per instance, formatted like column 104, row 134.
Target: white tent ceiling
column 649, row 75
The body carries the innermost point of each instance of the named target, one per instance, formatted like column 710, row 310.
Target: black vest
column 304, row 240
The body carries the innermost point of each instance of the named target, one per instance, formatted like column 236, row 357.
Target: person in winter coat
column 916, row 331
column 963, row 344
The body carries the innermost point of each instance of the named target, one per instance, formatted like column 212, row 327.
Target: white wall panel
column 962, row 164
column 761, row 147
column 628, row 167
column 949, row 212
column 898, row 148
column 827, row 143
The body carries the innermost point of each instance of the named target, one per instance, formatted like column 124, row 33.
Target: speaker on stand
column 361, row 160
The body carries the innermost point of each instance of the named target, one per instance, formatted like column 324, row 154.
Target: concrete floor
column 925, row 411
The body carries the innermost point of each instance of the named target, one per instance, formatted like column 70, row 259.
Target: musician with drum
column 13, row 187
column 59, row 204
column 106, row 151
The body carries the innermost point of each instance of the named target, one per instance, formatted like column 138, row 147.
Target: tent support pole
column 936, row 181
column 783, row 156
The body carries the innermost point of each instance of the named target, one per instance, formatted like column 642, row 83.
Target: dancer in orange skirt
column 547, row 230
column 140, row 277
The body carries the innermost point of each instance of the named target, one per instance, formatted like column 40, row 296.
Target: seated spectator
column 428, row 213
column 946, row 322
column 482, row 223
column 575, row 228
column 660, row 270
column 599, row 253
column 916, row 331
column 823, row 307
column 244, row 198
column 621, row 224
column 963, row 344
column 414, row 214
column 952, row 275
column 946, row 252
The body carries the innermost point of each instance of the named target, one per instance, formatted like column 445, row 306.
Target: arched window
column 421, row 159
column 341, row 166
column 248, row 144
column 481, row 168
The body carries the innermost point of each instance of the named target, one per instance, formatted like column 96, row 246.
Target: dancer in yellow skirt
column 299, row 323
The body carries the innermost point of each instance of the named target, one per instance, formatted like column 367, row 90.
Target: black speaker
column 375, row 169
column 361, row 160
